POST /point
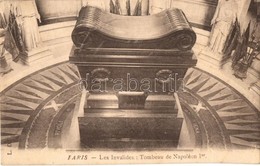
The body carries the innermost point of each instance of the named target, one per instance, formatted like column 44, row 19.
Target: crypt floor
column 36, row 111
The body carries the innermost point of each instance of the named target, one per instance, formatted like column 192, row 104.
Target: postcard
column 129, row 81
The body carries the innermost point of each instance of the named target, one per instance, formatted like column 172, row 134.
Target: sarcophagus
column 166, row 30
column 139, row 60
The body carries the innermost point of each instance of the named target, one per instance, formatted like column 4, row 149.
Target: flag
column 117, row 7
column 254, row 44
column 2, row 22
column 241, row 48
column 13, row 40
column 112, row 6
column 231, row 37
column 232, row 41
column 10, row 46
column 9, row 43
column 237, row 53
column 245, row 41
column 138, row 9
column 128, row 7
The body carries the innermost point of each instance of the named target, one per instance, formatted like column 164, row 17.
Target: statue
column 27, row 15
column 222, row 22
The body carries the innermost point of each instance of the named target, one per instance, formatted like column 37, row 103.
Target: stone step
column 111, row 101
column 117, row 128
column 101, row 101
column 130, row 113
column 36, row 55
column 131, row 144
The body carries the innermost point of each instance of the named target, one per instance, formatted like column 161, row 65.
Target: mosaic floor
column 36, row 111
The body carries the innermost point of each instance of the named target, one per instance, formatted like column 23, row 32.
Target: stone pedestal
column 35, row 55
column 106, row 126
column 213, row 59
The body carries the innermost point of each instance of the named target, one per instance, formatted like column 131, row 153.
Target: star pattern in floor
column 36, row 109
column 237, row 116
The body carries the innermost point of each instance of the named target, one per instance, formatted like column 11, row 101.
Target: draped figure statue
column 27, row 15
column 222, row 21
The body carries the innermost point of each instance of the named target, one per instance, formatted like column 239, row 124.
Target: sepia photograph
column 129, row 81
